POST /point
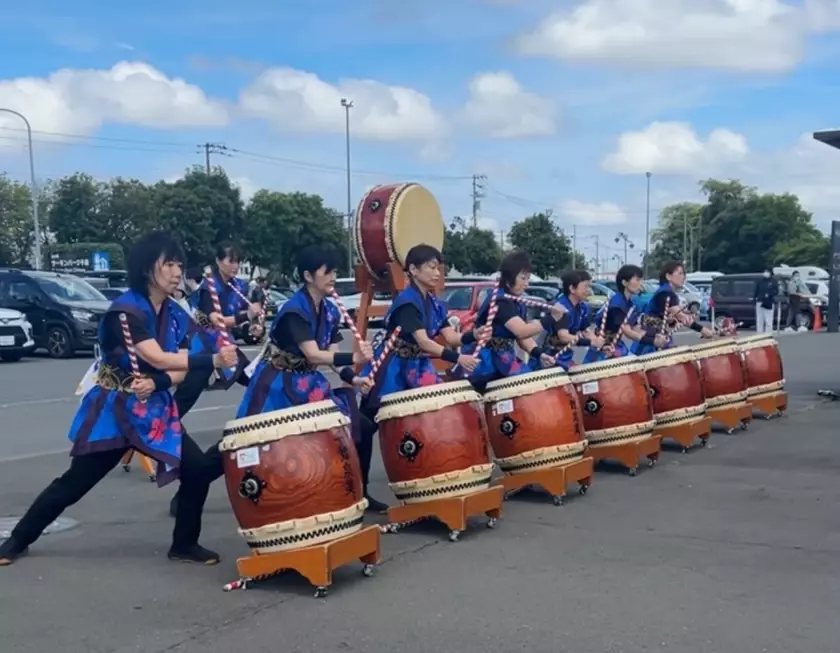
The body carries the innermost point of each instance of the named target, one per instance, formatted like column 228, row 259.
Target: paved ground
column 731, row 549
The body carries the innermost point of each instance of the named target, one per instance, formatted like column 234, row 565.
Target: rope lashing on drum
column 217, row 308
column 130, row 349
column 376, row 364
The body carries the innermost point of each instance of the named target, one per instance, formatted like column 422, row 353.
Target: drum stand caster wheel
column 557, row 500
column 152, row 478
column 633, row 471
column 492, row 522
column 321, row 592
column 651, row 462
column 744, row 425
column 704, row 442
column 454, row 535
column 685, row 449
column 368, row 570
column 126, row 468
column 730, row 431
column 583, row 489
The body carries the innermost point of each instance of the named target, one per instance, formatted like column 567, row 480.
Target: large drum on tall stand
column 293, row 477
column 534, row 421
column 433, row 441
column 615, row 399
column 676, row 388
column 722, row 372
column 393, row 218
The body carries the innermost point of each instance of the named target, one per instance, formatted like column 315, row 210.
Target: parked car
column 464, row 298
column 15, row 336
column 640, row 301
column 63, row 309
column 274, row 302
column 112, row 293
column 352, row 298
column 732, row 296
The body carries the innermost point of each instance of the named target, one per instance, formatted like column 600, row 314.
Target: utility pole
column 348, row 104
column 647, row 225
column 685, row 243
column 502, row 240
column 574, row 247
column 477, row 196
column 698, row 239
column 212, row 148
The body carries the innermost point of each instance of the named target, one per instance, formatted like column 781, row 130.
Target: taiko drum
column 722, row 372
column 676, row 388
column 615, row 401
column 293, row 477
column 433, row 441
column 762, row 364
column 393, row 218
column 534, row 421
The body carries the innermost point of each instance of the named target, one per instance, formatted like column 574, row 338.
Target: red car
column 463, row 299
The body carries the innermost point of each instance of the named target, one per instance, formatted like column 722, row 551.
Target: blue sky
column 563, row 104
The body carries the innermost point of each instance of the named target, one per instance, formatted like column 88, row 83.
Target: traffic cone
column 817, row 318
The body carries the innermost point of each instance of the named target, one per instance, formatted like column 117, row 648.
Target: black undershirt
column 293, row 329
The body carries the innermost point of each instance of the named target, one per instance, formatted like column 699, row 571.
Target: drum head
column 715, row 348
column 414, row 219
column 426, row 399
column 605, row 369
column 523, row 385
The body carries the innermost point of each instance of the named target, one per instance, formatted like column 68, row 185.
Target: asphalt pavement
column 734, row 548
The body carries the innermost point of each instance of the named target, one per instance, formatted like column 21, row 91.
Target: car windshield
column 690, row 287
column 346, row 287
column 457, row 298
column 69, row 289
column 276, row 296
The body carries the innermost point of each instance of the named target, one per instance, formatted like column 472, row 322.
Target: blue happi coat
column 284, row 378
column 616, row 309
column 578, row 321
column 406, row 367
column 654, row 317
column 204, row 338
column 497, row 359
column 110, row 418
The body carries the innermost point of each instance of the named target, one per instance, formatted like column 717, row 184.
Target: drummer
column 122, row 412
column 575, row 328
column 657, row 321
column 304, row 335
column 620, row 318
column 498, row 358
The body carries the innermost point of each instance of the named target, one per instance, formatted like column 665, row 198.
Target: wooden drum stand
column 629, row 453
column 147, row 465
column 771, row 405
column 732, row 417
column 554, row 480
column 686, row 433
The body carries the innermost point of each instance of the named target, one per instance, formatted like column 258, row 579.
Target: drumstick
column 346, row 317
column 376, row 364
column 492, row 309
column 527, row 301
column 130, row 349
column 217, row 308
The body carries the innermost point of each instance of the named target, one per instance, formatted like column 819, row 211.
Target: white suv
column 352, row 299
column 15, row 336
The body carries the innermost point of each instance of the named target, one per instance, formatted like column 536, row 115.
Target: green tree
column 75, row 213
column 674, row 236
column 549, row 248
column 129, row 210
column 470, row 249
column 16, row 222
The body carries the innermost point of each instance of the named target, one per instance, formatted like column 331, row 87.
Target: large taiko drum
column 393, row 218
column 534, row 421
column 762, row 364
column 615, row 399
column 676, row 388
column 293, row 477
column 722, row 372
column 433, row 441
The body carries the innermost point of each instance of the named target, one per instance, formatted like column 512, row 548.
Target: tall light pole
column 627, row 243
column 647, row 225
column 348, row 104
column 33, row 190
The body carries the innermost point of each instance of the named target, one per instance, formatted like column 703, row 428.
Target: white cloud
column 741, row 35
column 79, row 101
column 592, row 214
column 675, row 148
column 294, row 100
column 499, row 107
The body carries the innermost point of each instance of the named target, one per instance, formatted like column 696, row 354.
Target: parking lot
column 732, row 548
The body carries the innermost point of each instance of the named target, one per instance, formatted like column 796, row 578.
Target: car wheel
column 58, row 343
column 804, row 319
column 9, row 357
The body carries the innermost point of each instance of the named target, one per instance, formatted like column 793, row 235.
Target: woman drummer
column 575, row 328
column 130, row 406
column 664, row 312
column 304, row 335
column 510, row 327
column 618, row 316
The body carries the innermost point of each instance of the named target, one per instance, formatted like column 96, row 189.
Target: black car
column 733, row 296
column 63, row 309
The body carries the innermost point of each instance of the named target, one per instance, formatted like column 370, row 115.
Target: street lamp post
column 647, row 223
column 33, row 190
column 348, row 104
column 627, row 243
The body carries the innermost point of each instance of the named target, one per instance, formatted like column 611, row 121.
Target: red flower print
column 220, row 342
column 316, row 394
column 175, row 426
column 156, row 430
column 427, row 378
column 302, row 383
column 139, row 409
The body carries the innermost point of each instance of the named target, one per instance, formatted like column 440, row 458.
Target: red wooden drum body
column 393, row 218
column 293, row 477
column 534, row 421
column 762, row 364
column 676, row 388
column 434, row 442
column 722, row 372
column 615, row 399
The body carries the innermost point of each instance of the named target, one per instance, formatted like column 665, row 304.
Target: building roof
column 829, row 137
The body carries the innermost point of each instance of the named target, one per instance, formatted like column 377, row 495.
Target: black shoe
column 195, row 553
column 173, row 506
column 10, row 551
column 375, row 506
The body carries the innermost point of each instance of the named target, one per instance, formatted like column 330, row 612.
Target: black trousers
column 795, row 301
column 87, row 470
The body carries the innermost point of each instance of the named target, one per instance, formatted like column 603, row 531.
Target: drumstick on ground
column 217, row 308
column 376, row 364
column 130, row 349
